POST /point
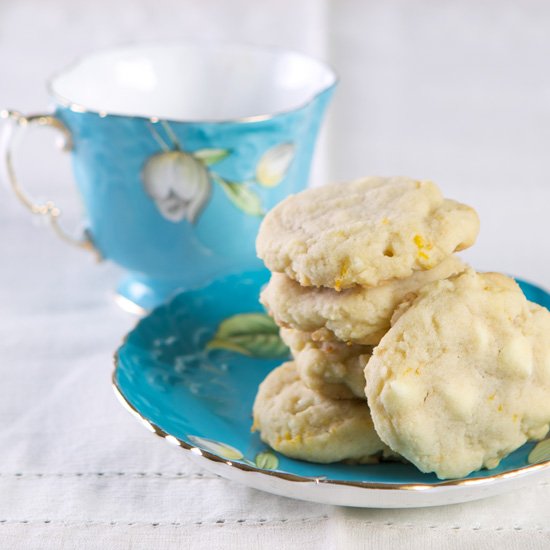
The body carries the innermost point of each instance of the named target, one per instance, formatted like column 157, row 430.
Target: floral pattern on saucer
column 191, row 370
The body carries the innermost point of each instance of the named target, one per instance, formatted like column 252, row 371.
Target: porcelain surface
column 190, row 371
column 179, row 150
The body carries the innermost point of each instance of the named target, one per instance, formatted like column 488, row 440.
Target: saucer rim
column 516, row 473
column 451, row 484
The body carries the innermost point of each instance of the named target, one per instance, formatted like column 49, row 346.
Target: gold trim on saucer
column 151, row 426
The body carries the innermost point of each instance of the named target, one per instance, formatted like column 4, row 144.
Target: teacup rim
column 67, row 103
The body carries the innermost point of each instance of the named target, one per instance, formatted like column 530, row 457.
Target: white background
column 457, row 92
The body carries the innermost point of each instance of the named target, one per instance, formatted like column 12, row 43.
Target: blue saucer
column 191, row 369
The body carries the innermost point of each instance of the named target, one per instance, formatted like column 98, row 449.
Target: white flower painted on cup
column 178, row 183
column 274, row 164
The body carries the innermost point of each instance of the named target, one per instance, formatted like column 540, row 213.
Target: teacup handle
column 47, row 209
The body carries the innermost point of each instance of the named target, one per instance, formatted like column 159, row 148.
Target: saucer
column 190, row 371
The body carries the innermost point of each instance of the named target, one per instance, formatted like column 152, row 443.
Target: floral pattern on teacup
column 180, row 182
column 274, row 164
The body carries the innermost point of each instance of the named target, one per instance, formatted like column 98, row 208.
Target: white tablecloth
column 444, row 91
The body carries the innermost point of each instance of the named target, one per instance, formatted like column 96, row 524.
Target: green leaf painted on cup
column 540, row 452
column 242, row 196
column 252, row 334
column 266, row 461
column 211, row 156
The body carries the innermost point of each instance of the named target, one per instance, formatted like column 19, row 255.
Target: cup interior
column 192, row 82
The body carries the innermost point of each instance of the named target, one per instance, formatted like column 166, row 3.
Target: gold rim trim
column 79, row 108
column 152, row 427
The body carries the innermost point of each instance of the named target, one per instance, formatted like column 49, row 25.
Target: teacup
column 178, row 151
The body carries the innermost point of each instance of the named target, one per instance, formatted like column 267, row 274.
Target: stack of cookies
column 397, row 345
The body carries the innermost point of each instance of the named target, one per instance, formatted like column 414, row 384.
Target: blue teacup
column 178, row 151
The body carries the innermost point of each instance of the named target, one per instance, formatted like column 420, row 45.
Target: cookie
column 333, row 369
column 363, row 232
column 303, row 424
column 462, row 379
column 359, row 315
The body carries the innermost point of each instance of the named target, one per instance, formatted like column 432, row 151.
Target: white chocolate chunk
column 461, row 398
column 516, row 357
column 479, row 352
column 402, row 393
